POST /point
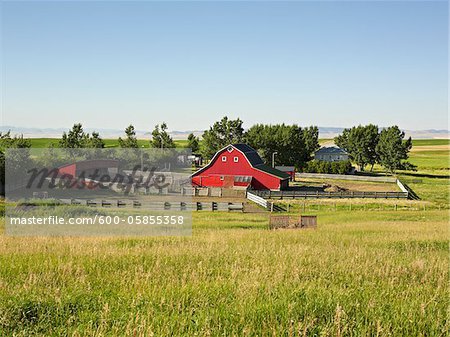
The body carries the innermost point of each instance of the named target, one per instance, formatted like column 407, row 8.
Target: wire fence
column 307, row 207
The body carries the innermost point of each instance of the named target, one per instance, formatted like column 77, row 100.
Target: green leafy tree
column 161, row 138
column 193, row 142
column 293, row 145
column 130, row 141
column 392, row 149
column 76, row 138
column 94, row 141
column 224, row 132
column 360, row 143
column 311, row 142
column 16, row 159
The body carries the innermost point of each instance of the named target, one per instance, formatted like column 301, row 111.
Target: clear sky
column 109, row 64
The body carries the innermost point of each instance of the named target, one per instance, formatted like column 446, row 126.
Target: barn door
column 228, row 181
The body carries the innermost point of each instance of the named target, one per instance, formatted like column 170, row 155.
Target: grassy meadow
column 371, row 271
column 431, row 181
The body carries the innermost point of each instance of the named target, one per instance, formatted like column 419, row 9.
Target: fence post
column 271, row 207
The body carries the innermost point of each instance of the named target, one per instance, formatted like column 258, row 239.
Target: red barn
column 84, row 170
column 239, row 165
column 88, row 167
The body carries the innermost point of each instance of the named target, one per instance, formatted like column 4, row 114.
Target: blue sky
column 109, row 64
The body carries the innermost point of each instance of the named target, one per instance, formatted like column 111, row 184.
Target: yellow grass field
column 369, row 271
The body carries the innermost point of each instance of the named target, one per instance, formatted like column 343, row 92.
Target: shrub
column 316, row 166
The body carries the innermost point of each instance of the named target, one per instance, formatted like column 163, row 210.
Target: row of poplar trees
column 367, row 145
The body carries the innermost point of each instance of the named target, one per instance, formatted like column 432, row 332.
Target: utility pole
column 273, row 158
column 142, row 159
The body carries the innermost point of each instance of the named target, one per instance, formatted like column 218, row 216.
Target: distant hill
column 331, row 132
column 324, row 132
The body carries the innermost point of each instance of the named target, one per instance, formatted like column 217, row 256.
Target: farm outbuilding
column 86, row 168
column 239, row 165
column 287, row 169
column 331, row 154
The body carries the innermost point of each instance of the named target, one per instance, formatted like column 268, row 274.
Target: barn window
column 224, row 158
column 236, row 159
column 222, row 178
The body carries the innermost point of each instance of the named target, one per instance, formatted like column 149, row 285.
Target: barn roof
column 330, row 150
column 285, row 168
column 251, row 154
column 273, row 171
column 253, row 158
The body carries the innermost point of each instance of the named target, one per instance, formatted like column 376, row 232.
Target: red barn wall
column 68, row 169
column 210, row 176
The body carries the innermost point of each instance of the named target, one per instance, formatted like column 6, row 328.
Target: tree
column 224, row 132
column 16, row 160
column 311, row 142
column 76, row 138
column 95, row 141
column 161, row 138
column 293, row 145
column 392, row 149
column 193, row 142
column 360, row 143
column 130, row 140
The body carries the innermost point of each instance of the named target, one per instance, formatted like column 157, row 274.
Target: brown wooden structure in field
column 289, row 221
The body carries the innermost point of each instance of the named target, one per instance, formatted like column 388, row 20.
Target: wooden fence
column 346, row 177
column 158, row 206
column 309, row 206
column 258, row 200
column 267, row 194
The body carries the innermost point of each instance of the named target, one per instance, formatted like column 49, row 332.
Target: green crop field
column 432, row 180
column 431, row 160
column 425, row 142
column 42, row 143
column 372, row 271
column 48, row 142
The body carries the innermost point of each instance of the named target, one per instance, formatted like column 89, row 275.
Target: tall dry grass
column 358, row 274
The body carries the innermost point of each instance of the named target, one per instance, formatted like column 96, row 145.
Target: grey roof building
column 331, row 153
